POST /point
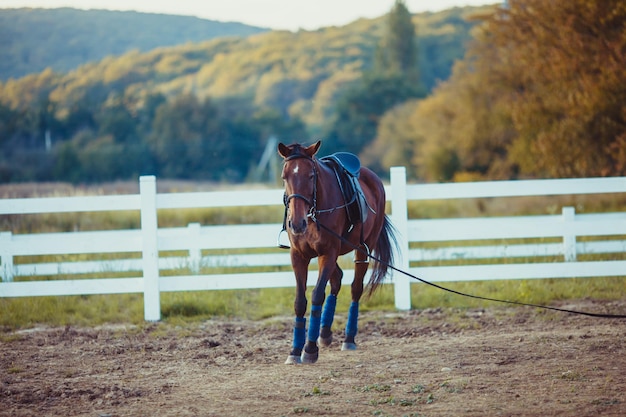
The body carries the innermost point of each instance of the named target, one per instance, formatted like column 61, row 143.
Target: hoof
column 293, row 360
column 348, row 346
column 325, row 341
column 309, row 357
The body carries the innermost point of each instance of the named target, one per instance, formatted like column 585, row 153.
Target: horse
column 318, row 226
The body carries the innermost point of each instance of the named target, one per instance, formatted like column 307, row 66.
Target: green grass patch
column 256, row 304
column 535, row 291
column 87, row 310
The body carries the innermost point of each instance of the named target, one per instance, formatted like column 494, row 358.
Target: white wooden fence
column 153, row 270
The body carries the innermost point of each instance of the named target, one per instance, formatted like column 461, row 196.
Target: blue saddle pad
column 348, row 161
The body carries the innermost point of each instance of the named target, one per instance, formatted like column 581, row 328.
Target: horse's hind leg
column 328, row 315
column 360, row 268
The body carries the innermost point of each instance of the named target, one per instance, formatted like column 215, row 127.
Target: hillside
column 63, row 39
column 298, row 73
column 178, row 110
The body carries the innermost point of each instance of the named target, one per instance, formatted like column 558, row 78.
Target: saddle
column 347, row 168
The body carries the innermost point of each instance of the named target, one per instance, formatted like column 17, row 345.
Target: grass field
column 263, row 303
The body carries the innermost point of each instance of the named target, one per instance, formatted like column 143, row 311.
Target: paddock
column 438, row 362
column 511, row 361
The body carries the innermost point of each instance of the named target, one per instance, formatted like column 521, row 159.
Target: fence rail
column 554, row 249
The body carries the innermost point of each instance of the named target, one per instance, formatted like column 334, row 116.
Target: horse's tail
column 383, row 252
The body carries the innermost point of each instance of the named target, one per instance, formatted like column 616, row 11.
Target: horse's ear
column 312, row 150
column 283, row 150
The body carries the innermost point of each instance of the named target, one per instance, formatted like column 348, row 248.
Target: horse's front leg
column 300, row 268
column 328, row 314
column 326, row 268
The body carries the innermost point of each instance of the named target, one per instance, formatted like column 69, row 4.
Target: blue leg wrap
column 299, row 332
column 328, row 314
column 314, row 323
column 353, row 318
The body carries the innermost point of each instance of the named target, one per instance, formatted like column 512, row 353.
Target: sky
column 274, row 14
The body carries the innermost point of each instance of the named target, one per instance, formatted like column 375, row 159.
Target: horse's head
column 300, row 178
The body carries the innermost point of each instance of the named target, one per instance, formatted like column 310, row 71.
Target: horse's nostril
column 298, row 227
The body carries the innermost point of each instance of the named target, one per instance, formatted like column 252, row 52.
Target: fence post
column 6, row 257
column 569, row 238
column 399, row 216
column 150, row 250
column 195, row 253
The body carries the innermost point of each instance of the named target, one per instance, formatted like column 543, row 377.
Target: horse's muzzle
column 298, row 227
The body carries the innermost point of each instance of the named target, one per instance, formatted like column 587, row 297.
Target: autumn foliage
column 541, row 92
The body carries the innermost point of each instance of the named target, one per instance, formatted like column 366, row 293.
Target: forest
column 531, row 90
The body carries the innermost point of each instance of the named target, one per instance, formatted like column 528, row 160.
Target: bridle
column 312, row 202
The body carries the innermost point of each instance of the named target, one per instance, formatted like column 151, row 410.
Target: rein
column 478, row 297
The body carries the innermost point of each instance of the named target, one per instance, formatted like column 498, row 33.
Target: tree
column 559, row 68
column 540, row 93
column 397, row 51
column 271, row 122
column 393, row 81
column 180, row 136
column 7, row 124
column 394, row 144
column 67, row 163
column 191, row 139
column 116, row 120
column 358, row 112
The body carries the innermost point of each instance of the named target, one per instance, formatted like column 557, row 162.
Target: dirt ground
column 494, row 362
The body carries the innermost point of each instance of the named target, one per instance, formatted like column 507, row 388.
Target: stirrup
column 367, row 259
column 278, row 241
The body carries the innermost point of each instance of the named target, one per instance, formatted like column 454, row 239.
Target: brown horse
column 317, row 223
